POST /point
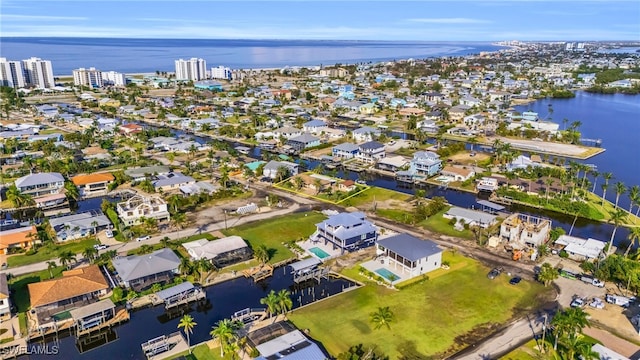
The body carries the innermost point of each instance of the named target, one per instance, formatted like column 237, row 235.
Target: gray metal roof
column 174, row 290
column 304, row 138
column 291, row 346
column 471, row 215
column 347, row 147
column 141, row 171
column 200, row 249
column 371, row 145
column 491, row 205
column 38, row 179
column 82, row 220
column 91, row 309
column 410, row 247
column 134, row 267
column 173, row 179
column 306, row 263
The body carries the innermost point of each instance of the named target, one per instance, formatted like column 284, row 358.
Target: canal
column 223, row 300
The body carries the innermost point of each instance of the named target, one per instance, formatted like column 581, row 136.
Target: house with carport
column 140, row 272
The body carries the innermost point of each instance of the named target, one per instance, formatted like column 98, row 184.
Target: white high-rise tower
column 11, row 73
column 38, row 73
column 193, row 69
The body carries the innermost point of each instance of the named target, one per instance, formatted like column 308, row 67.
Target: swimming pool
column 388, row 275
column 321, row 254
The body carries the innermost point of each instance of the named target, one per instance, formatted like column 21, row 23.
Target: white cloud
column 449, row 21
column 16, row 17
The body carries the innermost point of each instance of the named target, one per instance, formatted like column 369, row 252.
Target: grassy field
column 275, row 232
column 437, row 223
column 51, row 251
column 432, row 317
column 368, row 196
column 595, row 202
column 18, row 286
column 201, row 352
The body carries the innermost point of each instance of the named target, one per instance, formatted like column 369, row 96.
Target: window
column 2, row 302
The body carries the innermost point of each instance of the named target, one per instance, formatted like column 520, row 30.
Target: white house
column 270, row 170
column 371, row 151
column 407, row 256
column 40, row 184
column 132, row 210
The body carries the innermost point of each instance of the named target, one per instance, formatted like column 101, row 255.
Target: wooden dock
column 121, row 316
column 165, row 346
column 259, row 272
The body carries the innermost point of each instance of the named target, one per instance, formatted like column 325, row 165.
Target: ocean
column 150, row 55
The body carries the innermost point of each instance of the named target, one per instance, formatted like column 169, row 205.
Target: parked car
column 515, row 280
column 100, row 246
column 577, row 302
column 591, row 280
column 619, row 300
column 109, row 233
column 494, row 273
column 597, row 303
column 143, row 238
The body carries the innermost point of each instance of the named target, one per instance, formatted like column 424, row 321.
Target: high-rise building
column 11, row 73
column 193, row 69
column 88, row 77
column 114, row 78
column 38, row 73
column 221, row 72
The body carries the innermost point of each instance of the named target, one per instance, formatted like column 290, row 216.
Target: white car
column 577, row 303
column 143, row 238
column 100, row 246
column 109, row 233
column 597, row 303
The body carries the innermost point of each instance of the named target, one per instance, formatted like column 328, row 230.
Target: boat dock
column 165, row 346
column 308, row 269
column 250, row 315
column 259, row 272
column 180, row 294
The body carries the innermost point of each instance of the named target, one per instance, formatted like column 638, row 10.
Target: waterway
column 223, row 300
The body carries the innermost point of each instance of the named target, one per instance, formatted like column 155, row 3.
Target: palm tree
column 595, row 175
column 204, row 266
column 620, row 189
column 71, row 191
column 617, row 217
column 50, row 266
column 634, row 196
column 17, row 198
column 634, row 237
column 66, row 257
column 606, row 176
column 261, row 253
column 548, row 182
column 225, row 331
column 547, row 274
column 90, row 253
column 382, row 317
column 284, row 301
column 271, row 302
column 185, row 266
column 187, row 324
column 178, row 220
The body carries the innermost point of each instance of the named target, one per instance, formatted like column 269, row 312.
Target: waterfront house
column 140, row 272
column 407, row 255
column 283, row 341
column 428, row 126
column 425, row 163
column 270, row 170
column 347, row 185
column 23, row 237
column 314, row 126
column 286, row 132
column 75, row 226
column 346, row 231
column 525, row 229
column 5, row 302
column 40, row 184
column 365, row 133
column 487, row 184
column 199, row 187
column 91, row 185
column 371, row 151
column 470, row 217
column 142, row 173
column 77, row 287
column 130, row 129
column 92, row 315
column 392, row 163
column 458, row 173
column 172, row 181
column 411, row 111
column 303, row 141
column 521, row 162
column 131, row 211
column 368, row 108
column 581, row 249
column 345, row 151
column 221, row 252
column 108, row 102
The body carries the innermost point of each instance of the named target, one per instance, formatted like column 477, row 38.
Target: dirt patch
column 466, row 158
column 479, row 332
column 352, row 259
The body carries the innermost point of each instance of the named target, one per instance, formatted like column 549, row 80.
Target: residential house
column 474, row 120
column 346, row 231
column 345, row 151
column 40, row 184
column 433, row 97
column 91, row 185
column 525, row 229
column 5, row 302
column 581, row 249
column 470, row 217
column 428, row 126
column 412, row 111
column 470, row 101
column 521, row 162
column 392, row 163
column 75, row 226
column 303, row 141
column 199, row 187
column 270, row 170
column 365, row 133
column 140, row 272
column 314, row 126
column 172, row 181
column 75, row 288
column 142, row 173
column 368, row 108
column 221, row 252
column 408, row 255
column 130, row 129
column 371, row 151
column 347, row 185
column 457, row 173
column 286, row 132
column 283, row 341
column 456, row 113
column 425, row 163
column 108, row 102
column 132, row 211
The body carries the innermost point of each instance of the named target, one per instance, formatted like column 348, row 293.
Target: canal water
column 223, row 300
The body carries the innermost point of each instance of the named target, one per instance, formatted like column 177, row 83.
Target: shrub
column 563, row 254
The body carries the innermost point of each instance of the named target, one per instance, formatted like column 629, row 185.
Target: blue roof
column 315, row 123
column 174, row 290
column 371, row 145
column 349, row 147
column 410, row 247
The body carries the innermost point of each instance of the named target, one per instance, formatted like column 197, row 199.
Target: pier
column 259, row 272
column 250, row 315
column 308, row 269
column 180, row 294
column 164, row 346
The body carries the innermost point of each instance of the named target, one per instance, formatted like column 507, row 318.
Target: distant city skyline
column 457, row 20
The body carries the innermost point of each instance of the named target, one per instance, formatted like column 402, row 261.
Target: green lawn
column 202, row 352
column 372, row 194
column 275, row 232
column 18, row 286
column 51, row 251
column 430, row 316
column 437, row 223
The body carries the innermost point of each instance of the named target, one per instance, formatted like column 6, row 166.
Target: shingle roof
column 72, row 283
column 349, row 147
column 304, row 138
column 40, row 178
column 134, row 267
column 371, row 145
column 410, row 247
column 16, row 236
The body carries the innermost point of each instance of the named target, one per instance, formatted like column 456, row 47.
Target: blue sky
column 454, row 20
